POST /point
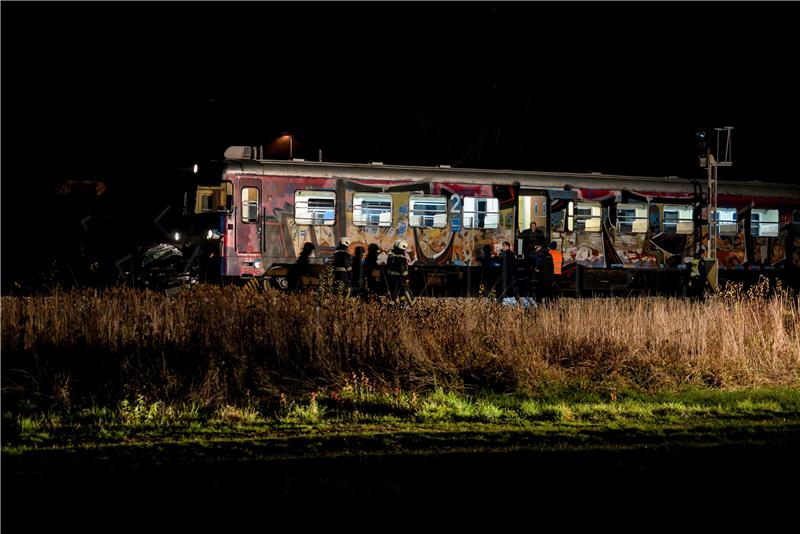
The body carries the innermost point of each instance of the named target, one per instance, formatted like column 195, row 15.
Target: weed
column 218, row 347
column 303, row 413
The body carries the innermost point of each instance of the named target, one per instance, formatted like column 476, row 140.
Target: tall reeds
column 221, row 345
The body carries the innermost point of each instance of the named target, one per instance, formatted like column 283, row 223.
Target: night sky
column 129, row 93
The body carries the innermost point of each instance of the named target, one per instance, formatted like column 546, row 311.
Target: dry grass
column 222, row 346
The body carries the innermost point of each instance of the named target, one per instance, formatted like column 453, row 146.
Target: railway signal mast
column 711, row 161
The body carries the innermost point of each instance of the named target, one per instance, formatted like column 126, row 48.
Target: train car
column 616, row 233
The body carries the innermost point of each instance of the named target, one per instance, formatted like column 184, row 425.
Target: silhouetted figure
column 302, row 269
column 372, row 278
column 490, row 267
column 543, row 272
column 530, row 237
column 358, row 269
column 509, row 264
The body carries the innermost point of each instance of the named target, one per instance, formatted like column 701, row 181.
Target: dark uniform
column 342, row 267
column 509, row 262
column 529, row 240
column 697, row 277
column 358, row 269
column 544, row 274
column 372, row 273
column 490, row 267
column 302, row 269
column 397, row 274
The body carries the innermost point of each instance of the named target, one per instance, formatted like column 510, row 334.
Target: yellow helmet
column 345, row 241
column 402, row 244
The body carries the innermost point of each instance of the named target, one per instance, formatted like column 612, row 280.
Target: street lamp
column 287, row 134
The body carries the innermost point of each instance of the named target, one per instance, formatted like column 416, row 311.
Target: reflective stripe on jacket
column 558, row 259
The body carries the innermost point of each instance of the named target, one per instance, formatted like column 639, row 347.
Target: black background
column 134, row 93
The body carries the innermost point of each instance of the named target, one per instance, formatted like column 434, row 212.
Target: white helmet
column 402, row 244
column 345, row 241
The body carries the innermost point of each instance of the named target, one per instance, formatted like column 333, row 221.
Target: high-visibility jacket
column 695, row 268
column 558, row 259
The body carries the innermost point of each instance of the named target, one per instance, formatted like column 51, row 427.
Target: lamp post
column 287, row 134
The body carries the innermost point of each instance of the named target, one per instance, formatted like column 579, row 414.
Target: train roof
column 532, row 179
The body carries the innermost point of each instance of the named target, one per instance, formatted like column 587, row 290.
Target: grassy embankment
column 208, row 388
column 222, row 347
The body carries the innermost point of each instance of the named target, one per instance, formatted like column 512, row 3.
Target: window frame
column 367, row 218
column 490, row 201
column 311, row 220
column 210, row 191
column 578, row 217
column 728, row 227
column 679, row 220
column 246, row 204
column 776, row 223
column 427, row 213
column 643, row 221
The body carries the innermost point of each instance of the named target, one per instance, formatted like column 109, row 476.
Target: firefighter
column 558, row 258
column 697, row 275
column 397, row 271
column 343, row 266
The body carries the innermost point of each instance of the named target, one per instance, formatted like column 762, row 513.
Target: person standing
column 530, row 237
column 697, row 275
column 343, row 266
column 544, row 273
column 558, row 258
column 358, row 269
column 372, row 272
column 302, row 270
column 490, row 265
column 509, row 263
column 397, row 271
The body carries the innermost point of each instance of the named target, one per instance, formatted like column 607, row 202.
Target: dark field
column 217, row 410
column 715, row 451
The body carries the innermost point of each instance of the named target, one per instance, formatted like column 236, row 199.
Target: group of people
column 541, row 264
column 363, row 276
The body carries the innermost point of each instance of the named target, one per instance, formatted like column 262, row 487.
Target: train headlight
column 177, row 236
column 213, row 234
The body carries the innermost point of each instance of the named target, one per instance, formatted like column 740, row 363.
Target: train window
column 726, row 221
column 213, row 199
column 588, row 216
column 372, row 209
column 481, row 212
column 632, row 218
column 427, row 211
column 764, row 223
column 557, row 219
column 570, row 216
column 677, row 220
column 315, row 207
column 249, row 204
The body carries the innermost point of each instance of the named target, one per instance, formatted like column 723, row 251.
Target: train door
column 533, row 207
column 248, row 225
